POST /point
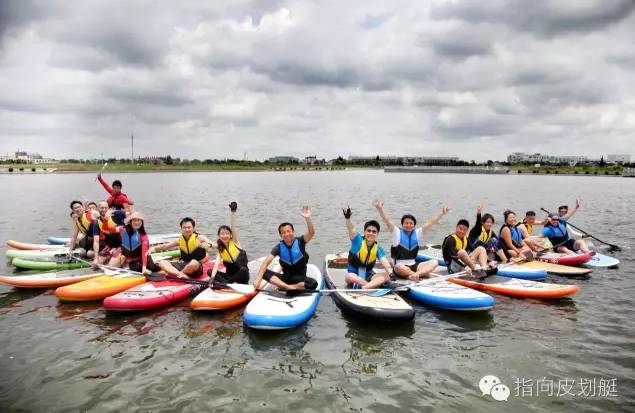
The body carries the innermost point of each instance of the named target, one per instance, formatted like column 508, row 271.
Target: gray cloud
column 296, row 77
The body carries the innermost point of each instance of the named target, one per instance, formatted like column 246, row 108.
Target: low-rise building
column 618, row 159
column 283, row 159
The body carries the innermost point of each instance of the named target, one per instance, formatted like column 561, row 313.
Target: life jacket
column 559, row 233
column 233, row 257
column 460, row 244
column 130, row 243
column 84, row 222
column 528, row 226
column 108, row 232
column 365, row 257
column 408, row 247
column 191, row 248
column 517, row 237
column 293, row 259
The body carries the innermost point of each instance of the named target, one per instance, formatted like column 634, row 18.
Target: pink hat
column 134, row 215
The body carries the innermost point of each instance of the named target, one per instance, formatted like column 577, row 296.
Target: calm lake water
column 71, row 357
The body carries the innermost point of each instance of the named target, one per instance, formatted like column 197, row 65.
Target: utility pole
column 132, row 148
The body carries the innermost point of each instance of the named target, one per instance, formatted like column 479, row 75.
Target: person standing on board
column 234, row 258
column 363, row 254
column 117, row 199
column 293, row 258
column 193, row 248
column 405, row 244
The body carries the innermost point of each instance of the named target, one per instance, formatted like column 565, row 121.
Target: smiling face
column 487, row 224
column 78, row 209
column 287, row 234
column 511, row 219
column 370, row 234
column 461, row 231
column 554, row 220
column 136, row 223
column 408, row 225
column 187, row 229
column 102, row 208
column 224, row 235
column 530, row 219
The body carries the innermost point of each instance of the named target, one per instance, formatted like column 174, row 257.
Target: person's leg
column 425, row 268
column 171, row 269
column 581, row 245
column 465, row 258
column 352, row 279
column 404, row 271
column 377, row 281
column 193, row 268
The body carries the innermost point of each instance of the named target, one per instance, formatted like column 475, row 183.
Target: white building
column 618, row 159
column 283, row 159
column 538, row 158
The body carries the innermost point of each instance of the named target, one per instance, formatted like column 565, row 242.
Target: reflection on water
column 175, row 359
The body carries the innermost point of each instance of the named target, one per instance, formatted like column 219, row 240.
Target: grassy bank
column 144, row 167
column 567, row 170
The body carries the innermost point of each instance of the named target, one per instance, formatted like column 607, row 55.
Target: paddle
column 102, row 170
column 613, row 247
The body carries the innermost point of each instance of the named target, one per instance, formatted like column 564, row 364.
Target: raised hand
column 306, row 212
column 378, row 204
column 445, row 209
column 577, row 203
column 233, row 206
column 479, row 208
column 347, row 212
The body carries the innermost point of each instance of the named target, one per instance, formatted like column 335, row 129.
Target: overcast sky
column 216, row 79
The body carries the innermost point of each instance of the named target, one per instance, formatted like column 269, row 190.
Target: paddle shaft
column 615, row 247
column 102, row 169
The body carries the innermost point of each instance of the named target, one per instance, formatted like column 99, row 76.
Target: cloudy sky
column 216, row 79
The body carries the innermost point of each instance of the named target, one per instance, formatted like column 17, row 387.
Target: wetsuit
column 115, row 201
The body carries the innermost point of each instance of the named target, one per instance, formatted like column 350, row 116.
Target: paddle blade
column 380, row 293
column 242, row 288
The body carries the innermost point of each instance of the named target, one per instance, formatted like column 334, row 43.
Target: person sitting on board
column 293, row 258
column 117, row 199
column 233, row 257
column 193, row 248
column 525, row 228
column 556, row 232
column 456, row 257
column 82, row 233
column 512, row 240
column 106, row 237
column 482, row 235
column 135, row 246
column 363, row 254
column 405, row 244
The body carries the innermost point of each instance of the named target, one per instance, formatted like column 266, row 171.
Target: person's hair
column 563, row 207
column 75, row 202
column 284, row 224
column 372, row 223
column 508, row 213
column 221, row 245
column 408, row 216
column 554, row 215
column 488, row 216
column 530, row 214
column 187, row 219
column 130, row 230
column 464, row 222
column 117, row 182
column 91, row 203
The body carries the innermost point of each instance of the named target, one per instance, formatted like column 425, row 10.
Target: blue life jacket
column 557, row 234
column 517, row 237
column 293, row 259
column 408, row 247
column 130, row 243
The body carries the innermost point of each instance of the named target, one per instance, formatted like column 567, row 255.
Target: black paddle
column 613, row 247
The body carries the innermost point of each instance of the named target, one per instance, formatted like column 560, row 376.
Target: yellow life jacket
column 461, row 244
column 107, row 225
column 191, row 248
column 365, row 255
column 485, row 235
column 230, row 254
column 529, row 227
column 83, row 222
